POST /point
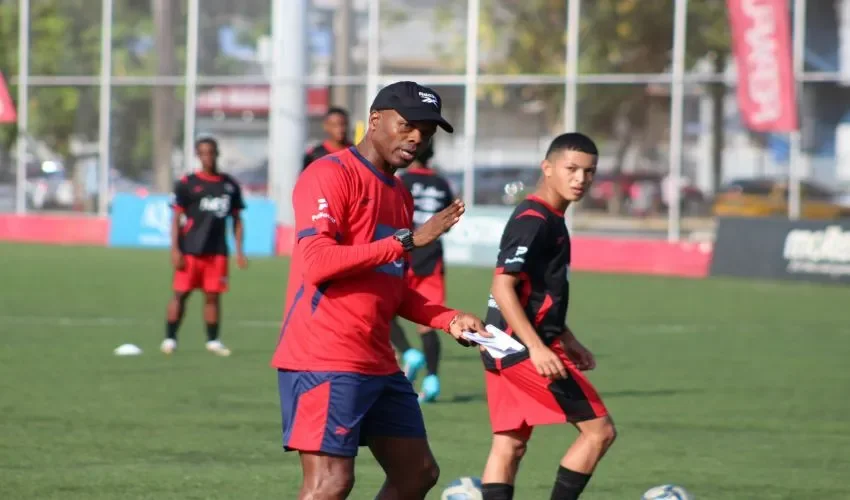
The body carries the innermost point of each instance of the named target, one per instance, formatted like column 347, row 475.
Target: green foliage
column 617, row 36
column 65, row 41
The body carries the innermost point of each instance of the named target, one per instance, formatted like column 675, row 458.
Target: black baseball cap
column 412, row 101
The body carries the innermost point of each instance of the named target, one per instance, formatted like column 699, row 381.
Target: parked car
column 766, row 197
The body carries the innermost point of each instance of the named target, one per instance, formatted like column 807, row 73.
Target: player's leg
column 412, row 360
column 506, row 452
column 510, row 434
column 185, row 280
column 325, row 477
column 431, row 349
column 173, row 317
column 594, row 439
column 434, row 288
column 322, row 416
column 214, row 284
column 583, row 407
column 395, row 432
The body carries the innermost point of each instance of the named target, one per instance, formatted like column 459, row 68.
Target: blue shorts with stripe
column 337, row 412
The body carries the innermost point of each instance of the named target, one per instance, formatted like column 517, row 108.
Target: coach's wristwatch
column 405, row 237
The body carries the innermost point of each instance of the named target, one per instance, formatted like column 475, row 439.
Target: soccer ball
column 667, row 492
column 464, row 488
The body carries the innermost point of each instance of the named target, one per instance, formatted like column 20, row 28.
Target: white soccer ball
column 667, row 492
column 464, row 488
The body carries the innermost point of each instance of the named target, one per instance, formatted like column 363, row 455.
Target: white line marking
column 105, row 321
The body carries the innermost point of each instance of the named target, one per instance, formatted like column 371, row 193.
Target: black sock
column 212, row 331
column 398, row 338
column 497, row 491
column 569, row 484
column 171, row 329
column 431, row 346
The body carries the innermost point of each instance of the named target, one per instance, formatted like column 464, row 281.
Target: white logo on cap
column 429, row 99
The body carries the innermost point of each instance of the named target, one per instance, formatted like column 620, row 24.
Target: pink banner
column 761, row 42
column 54, row 229
column 7, row 107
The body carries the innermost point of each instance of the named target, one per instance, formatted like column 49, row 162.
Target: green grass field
column 734, row 390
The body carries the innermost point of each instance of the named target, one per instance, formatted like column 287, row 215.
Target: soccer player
column 202, row 203
column 336, row 136
column 431, row 194
column 340, row 384
column 543, row 384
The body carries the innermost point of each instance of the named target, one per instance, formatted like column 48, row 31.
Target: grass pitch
column 735, row 390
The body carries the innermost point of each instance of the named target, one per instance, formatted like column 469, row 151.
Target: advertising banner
column 761, row 43
column 783, row 249
column 145, row 222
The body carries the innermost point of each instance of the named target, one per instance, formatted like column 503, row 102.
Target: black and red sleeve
column 522, row 242
column 180, row 198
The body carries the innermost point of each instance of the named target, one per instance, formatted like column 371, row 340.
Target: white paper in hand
column 499, row 346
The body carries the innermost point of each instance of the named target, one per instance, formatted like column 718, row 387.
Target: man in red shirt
column 340, row 384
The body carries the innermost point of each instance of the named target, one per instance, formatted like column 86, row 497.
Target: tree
column 617, row 36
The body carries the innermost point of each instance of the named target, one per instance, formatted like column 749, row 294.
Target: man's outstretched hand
column 438, row 224
column 465, row 322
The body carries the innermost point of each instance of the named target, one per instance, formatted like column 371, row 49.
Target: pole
column 191, row 90
column 105, row 108
column 677, row 105
column 373, row 61
column 470, row 101
column 23, row 107
column 571, row 85
column 287, row 119
column 796, row 159
column 342, row 54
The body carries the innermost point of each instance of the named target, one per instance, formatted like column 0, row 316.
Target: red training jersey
column 347, row 278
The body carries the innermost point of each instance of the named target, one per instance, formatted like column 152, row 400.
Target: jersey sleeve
column 319, row 200
column 416, row 308
column 521, row 244
column 450, row 195
column 237, row 203
column 180, row 196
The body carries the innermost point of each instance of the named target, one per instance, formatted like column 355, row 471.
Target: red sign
column 761, row 42
column 7, row 107
column 255, row 100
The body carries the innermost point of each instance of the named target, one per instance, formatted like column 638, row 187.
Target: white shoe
column 217, row 348
column 168, row 346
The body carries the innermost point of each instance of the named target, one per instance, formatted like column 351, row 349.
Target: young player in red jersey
column 336, row 136
column 431, row 194
column 202, row 203
column 340, row 384
column 529, row 296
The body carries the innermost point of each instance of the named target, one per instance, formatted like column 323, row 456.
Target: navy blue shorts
column 337, row 412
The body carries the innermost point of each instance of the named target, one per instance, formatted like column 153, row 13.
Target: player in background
column 529, row 297
column 431, row 194
column 340, row 384
column 202, row 202
column 336, row 136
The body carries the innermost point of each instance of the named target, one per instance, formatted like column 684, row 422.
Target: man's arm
column 325, row 259
column 519, row 248
column 321, row 200
column 179, row 203
column 418, row 309
column 504, row 292
column 237, row 205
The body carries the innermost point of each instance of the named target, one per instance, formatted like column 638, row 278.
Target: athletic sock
column 431, row 346
column 171, row 329
column 497, row 491
column 569, row 484
column 398, row 338
column 212, row 332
